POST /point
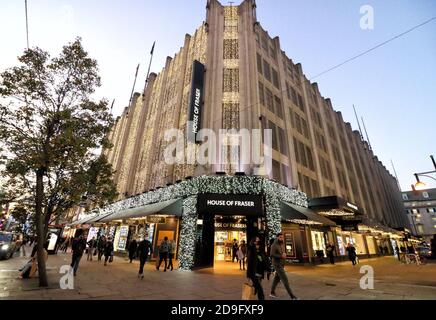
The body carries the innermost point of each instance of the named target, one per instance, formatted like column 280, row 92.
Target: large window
column 261, row 94
column 275, row 78
column 278, row 107
column 282, row 141
column 266, row 70
column 259, row 63
column 231, row 49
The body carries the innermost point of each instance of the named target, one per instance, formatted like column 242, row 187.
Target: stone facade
column 250, row 83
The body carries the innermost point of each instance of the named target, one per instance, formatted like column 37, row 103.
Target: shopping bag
column 248, row 292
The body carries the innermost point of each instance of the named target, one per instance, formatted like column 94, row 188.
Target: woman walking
column 242, row 254
column 108, row 251
column 257, row 265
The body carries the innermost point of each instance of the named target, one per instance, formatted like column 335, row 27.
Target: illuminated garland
column 274, row 194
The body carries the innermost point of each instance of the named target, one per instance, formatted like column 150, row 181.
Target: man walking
column 78, row 246
column 278, row 255
column 171, row 254
column 163, row 253
column 351, row 253
column 331, row 252
column 101, row 244
column 144, row 248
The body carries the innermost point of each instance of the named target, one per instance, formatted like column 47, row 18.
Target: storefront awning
column 170, row 207
column 334, row 206
column 303, row 215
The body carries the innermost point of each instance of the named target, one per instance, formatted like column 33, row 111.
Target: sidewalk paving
column 119, row 280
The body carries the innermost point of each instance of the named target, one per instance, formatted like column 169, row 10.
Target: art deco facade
column 251, row 83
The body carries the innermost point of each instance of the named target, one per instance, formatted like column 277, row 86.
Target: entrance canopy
column 334, row 206
column 301, row 215
column 170, row 207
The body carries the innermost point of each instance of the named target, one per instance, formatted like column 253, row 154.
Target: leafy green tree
column 52, row 132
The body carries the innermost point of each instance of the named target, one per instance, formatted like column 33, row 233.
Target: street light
column 419, row 185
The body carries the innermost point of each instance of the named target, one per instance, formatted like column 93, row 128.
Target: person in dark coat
column 108, row 251
column 351, row 253
column 101, row 244
column 331, row 252
column 163, row 253
column 133, row 247
column 78, row 246
column 235, row 248
column 257, row 265
column 397, row 251
column 144, row 249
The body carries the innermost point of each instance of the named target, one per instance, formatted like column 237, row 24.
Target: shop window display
column 318, row 242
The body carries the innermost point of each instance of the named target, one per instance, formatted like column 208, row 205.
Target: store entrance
column 215, row 238
column 230, row 232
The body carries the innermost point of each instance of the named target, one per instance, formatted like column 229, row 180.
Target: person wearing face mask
column 257, row 265
column 278, row 255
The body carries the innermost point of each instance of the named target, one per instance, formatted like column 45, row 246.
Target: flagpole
column 149, row 65
column 134, row 83
column 27, row 25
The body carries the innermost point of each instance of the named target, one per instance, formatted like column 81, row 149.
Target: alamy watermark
column 367, row 280
column 238, row 148
column 367, row 18
column 66, row 282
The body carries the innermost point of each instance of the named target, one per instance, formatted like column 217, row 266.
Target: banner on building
column 196, row 101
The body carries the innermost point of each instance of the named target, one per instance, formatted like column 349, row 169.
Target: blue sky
column 393, row 87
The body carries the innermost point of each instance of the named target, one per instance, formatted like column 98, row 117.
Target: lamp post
column 419, row 185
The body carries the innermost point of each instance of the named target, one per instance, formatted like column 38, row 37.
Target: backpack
column 164, row 246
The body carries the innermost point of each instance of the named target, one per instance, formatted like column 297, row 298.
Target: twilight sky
column 393, row 87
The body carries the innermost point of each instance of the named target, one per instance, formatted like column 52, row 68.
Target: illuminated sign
column 196, row 102
column 352, row 206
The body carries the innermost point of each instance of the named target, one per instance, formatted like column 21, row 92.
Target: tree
column 21, row 216
column 52, row 132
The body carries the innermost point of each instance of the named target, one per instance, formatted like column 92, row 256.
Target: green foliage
column 50, row 125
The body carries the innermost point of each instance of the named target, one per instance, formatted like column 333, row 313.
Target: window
column 276, row 170
column 259, row 63
column 307, row 185
column 231, row 49
column 297, row 153
column 275, row 78
column 305, row 128
column 266, row 70
column 315, row 188
column 285, row 173
column 231, row 80
column 278, row 107
column 421, row 229
column 273, row 52
column 300, row 102
column 282, row 141
column 431, row 210
column 298, row 123
column 261, row 94
column 310, row 158
column 302, row 151
column 269, row 100
column 272, row 126
column 415, row 211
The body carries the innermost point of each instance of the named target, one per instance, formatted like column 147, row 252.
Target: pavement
column 392, row 281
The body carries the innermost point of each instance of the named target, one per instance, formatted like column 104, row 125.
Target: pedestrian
column 66, row 244
column 133, row 247
column 108, row 251
column 163, row 253
column 171, row 254
column 278, row 254
column 351, row 253
column 91, row 245
column 144, row 248
column 78, row 246
column 101, row 244
column 235, row 248
column 242, row 253
column 331, row 252
column 397, row 251
column 257, row 265
column 270, row 264
column 386, row 250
